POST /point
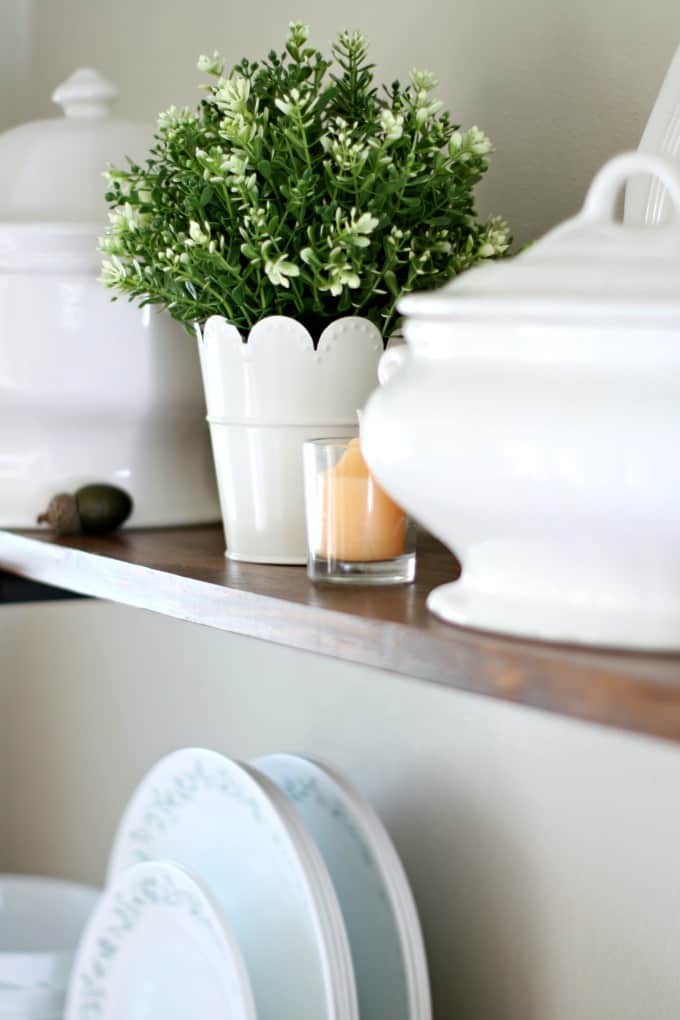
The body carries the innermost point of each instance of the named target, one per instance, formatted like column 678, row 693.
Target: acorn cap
column 62, row 514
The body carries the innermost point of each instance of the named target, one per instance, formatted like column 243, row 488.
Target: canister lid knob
column 86, row 94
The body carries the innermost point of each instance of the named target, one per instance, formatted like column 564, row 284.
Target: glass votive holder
column 356, row 534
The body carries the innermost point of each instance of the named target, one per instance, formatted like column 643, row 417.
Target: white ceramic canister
column 264, row 398
column 534, row 427
column 90, row 390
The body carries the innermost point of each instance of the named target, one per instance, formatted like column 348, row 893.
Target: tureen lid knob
column 86, row 94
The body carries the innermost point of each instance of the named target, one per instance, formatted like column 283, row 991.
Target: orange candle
column 360, row 522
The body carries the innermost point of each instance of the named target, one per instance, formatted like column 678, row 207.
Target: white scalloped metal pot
column 534, row 424
column 265, row 397
column 90, row 390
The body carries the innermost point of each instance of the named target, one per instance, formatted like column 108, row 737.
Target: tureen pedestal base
column 593, row 621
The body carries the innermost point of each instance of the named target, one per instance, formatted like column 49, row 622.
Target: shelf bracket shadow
column 18, row 589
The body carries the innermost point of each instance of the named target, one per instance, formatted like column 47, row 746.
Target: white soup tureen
column 533, row 425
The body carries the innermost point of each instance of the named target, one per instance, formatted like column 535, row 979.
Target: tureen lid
column 591, row 267
column 51, row 170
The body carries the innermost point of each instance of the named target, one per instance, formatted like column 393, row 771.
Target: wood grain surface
column 182, row 572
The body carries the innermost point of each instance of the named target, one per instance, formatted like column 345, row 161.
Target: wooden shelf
column 182, row 573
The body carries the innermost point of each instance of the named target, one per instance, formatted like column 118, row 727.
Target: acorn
column 62, row 514
column 92, row 510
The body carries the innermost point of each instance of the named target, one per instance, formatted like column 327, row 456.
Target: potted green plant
column 284, row 218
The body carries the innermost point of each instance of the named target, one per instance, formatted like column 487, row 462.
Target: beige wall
column 543, row 853
column 16, row 42
column 15, row 105
column 6, row 689
column 559, row 86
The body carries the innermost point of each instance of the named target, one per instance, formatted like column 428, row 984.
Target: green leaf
column 391, row 283
column 206, row 195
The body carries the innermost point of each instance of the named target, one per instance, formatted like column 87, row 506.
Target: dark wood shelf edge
column 638, row 693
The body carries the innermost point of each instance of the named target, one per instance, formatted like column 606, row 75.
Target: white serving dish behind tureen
column 646, row 197
column 90, row 390
column 534, row 425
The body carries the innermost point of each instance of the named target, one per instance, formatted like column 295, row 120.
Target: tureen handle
column 86, row 94
column 600, row 202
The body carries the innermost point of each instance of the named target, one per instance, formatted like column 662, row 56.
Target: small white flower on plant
column 359, row 229
column 118, row 224
column 340, row 275
column 251, row 187
column 477, row 142
column 455, row 143
column 232, row 94
column 288, row 103
column 279, row 269
column 348, row 154
column 123, row 221
column 298, row 34
column 419, row 261
column 424, row 113
column 255, row 220
column 173, row 118
column 111, row 244
column 309, row 257
column 392, row 125
column 496, row 238
column 235, row 164
column 199, row 236
column 113, row 272
column 211, row 65
column 364, row 224
column 423, row 81
column 355, row 42
column 295, row 100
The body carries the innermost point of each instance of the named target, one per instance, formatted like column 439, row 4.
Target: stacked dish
column 41, row 920
column 269, row 891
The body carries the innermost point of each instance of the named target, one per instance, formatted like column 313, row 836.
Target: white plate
column 158, row 946
column 239, row 833
column 23, row 1015
column 376, row 901
column 31, row 1002
column 41, row 920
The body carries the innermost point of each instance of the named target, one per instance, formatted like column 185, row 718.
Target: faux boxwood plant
column 300, row 188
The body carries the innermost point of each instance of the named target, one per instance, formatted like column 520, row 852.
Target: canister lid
column 591, row 268
column 51, row 170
